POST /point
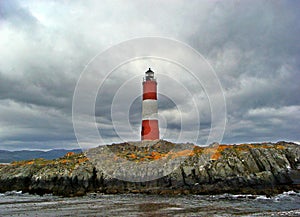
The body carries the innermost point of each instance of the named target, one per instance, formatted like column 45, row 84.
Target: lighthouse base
column 150, row 130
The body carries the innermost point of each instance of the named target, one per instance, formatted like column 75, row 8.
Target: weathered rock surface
column 267, row 168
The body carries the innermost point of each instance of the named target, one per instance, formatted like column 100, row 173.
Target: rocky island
column 261, row 168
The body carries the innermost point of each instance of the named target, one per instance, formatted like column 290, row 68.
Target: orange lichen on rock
column 81, row 160
column 183, row 153
column 280, row 147
column 30, row 162
column 132, row 156
column 209, row 150
column 216, row 156
column 69, row 154
column 64, row 161
column 156, row 155
column 223, row 147
column 21, row 163
column 217, row 151
column 198, row 150
column 243, row 147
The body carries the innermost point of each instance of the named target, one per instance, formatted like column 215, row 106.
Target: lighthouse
column 150, row 130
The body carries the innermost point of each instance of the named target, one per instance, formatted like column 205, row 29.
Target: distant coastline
column 10, row 156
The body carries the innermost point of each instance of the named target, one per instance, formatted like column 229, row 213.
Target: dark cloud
column 12, row 12
column 42, row 89
column 45, row 45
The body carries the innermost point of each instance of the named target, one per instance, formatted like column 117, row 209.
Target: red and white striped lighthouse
column 150, row 130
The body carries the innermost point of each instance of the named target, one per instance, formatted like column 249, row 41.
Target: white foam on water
column 290, row 213
column 174, row 208
column 242, row 195
column 11, row 193
column 235, row 196
column 262, row 197
column 289, row 195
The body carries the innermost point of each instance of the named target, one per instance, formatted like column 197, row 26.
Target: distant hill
column 9, row 156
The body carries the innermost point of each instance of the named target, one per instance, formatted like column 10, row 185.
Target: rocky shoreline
column 264, row 168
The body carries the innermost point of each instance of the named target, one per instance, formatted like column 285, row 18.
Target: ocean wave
column 291, row 193
column 291, row 213
column 288, row 195
column 227, row 196
column 13, row 193
column 262, row 197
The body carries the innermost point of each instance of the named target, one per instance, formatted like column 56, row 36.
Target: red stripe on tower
column 150, row 130
column 149, row 90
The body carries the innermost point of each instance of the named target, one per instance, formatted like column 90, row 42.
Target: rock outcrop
column 267, row 168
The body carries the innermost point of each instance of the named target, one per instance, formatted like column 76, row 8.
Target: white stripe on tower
column 149, row 109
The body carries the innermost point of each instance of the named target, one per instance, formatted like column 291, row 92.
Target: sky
column 252, row 47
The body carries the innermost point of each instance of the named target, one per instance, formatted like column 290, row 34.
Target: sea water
column 19, row 204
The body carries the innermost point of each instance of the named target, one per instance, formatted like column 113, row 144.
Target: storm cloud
column 253, row 46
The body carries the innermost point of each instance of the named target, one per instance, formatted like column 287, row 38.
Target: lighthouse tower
column 150, row 130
